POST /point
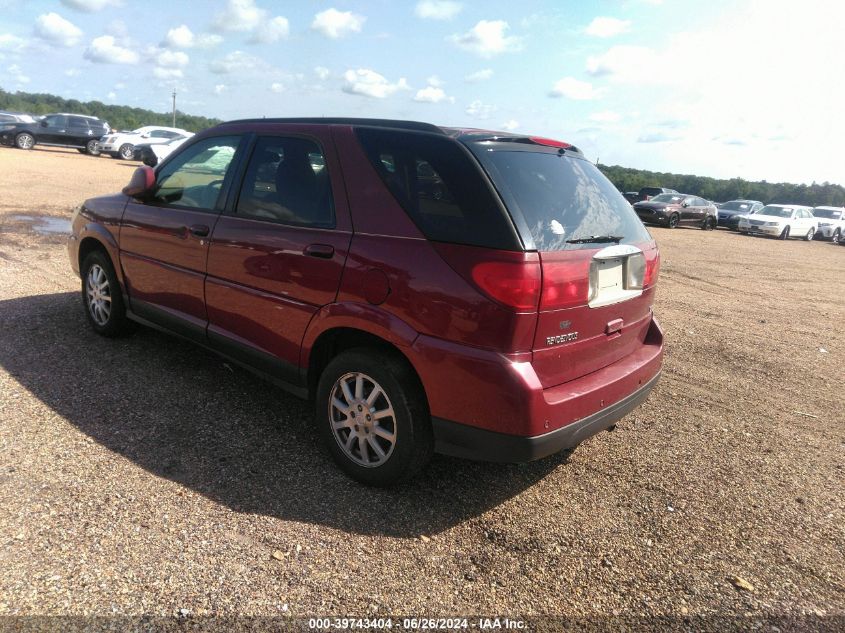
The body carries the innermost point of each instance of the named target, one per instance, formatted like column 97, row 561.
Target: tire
column 102, row 297
column 673, row 220
column 91, row 148
column 149, row 159
column 406, row 441
column 810, row 234
column 785, row 233
column 80, row 150
column 24, row 140
column 836, row 236
column 126, row 151
column 708, row 225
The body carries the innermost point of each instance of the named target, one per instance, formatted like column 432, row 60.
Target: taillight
column 516, row 284
column 566, row 284
column 652, row 267
column 549, row 142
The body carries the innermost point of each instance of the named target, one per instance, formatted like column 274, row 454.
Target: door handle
column 200, row 230
column 323, row 251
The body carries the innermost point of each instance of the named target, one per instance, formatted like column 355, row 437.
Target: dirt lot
column 144, row 476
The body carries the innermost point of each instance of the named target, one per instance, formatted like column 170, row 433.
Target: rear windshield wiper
column 595, row 239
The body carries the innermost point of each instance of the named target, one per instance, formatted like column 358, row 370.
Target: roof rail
column 386, row 123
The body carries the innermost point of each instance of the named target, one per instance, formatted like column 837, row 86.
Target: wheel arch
column 94, row 237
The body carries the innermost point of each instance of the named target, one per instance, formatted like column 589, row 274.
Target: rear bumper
column 490, row 406
column 460, row 440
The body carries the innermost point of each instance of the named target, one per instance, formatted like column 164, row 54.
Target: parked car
column 153, row 153
column 631, row 196
column 15, row 117
column 122, row 144
column 305, row 250
column 677, row 209
column 781, row 221
column 64, row 130
column 831, row 222
column 731, row 211
column 647, row 193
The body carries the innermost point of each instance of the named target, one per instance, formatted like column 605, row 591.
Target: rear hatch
column 598, row 262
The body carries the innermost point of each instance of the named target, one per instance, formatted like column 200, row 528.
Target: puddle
column 44, row 225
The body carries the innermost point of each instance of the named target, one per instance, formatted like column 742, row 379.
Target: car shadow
column 185, row 414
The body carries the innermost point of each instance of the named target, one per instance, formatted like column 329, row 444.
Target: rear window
column 441, row 188
column 562, row 198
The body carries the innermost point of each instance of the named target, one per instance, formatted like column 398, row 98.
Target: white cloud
column 17, row 74
column 119, row 85
column 481, row 75
column 277, row 87
column 510, row 125
column 219, row 89
column 322, row 72
column 487, row 38
column 480, row 110
column 369, row 83
column 111, row 96
column 117, row 28
column 172, row 59
column 432, row 94
column 271, row 31
column 55, row 29
column 207, row 40
column 104, row 50
column 335, row 24
column 9, row 42
column 238, row 61
column 167, row 73
column 607, row 27
column 434, row 80
column 72, row 72
column 656, row 137
column 437, row 9
column 572, row 88
column 239, row 15
column 90, row 6
column 606, row 116
column 179, row 37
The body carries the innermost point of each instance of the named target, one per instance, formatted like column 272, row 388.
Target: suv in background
column 677, row 209
column 122, row 144
column 730, row 212
column 63, row 130
column 831, row 223
column 647, row 193
column 15, row 117
column 482, row 294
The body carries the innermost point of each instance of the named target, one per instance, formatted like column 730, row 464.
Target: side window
column 690, row 202
column 78, row 123
column 286, row 181
column 195, row 177
column 56, row 121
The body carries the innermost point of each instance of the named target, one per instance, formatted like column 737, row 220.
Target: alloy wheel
column 99, row 294
column 362, row 419
column 25, row 141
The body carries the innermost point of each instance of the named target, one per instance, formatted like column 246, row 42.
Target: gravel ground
column 145, row 476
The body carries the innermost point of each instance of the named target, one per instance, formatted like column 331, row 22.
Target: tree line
column 722, row 190
column 118, row 116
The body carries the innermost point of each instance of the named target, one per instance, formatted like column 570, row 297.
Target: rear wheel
column 784, row 234
column 810, row 234
column 102, row 297
column 673, row 220
column 126, row 151
column 836, row 237
column 24, row 140
column 709, row 224
column 91, row 148
column 373, row 417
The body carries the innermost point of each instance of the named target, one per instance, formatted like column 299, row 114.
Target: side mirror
column 141, row 183
column 145, row 135
column 685, row 204
column 43, row 123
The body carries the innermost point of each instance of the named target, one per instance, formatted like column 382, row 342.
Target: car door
column 688, row 210
column 278, row 252
column 164, row 239
column 52, row 129
column 78, row 132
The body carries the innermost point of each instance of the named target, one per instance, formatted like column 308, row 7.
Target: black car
column 730, row 212
column 65, row 130
column 676, row 209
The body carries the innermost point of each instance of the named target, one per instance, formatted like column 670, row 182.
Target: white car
column 122, row 144
column 831, row 222
column 781, row 221
column 153, row 154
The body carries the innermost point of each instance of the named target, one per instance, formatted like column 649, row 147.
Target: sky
column 741, row 88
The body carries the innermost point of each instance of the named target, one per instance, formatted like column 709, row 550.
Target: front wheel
column 373, row 417
column 673, row 220
column 810, row 234
column 102, row 297
column 836, row 237
column 126, row 151
column 91, row 148
column 24, row 140
column 784, row 234
column 709, row 224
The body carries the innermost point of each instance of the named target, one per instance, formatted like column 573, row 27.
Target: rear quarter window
column 441, row 187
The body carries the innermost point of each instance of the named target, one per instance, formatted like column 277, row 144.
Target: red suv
column 480, row 294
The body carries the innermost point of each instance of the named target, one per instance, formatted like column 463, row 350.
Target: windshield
column 562, row 198
column 827, row 213
column 736, row 205
column 667, row 197
column 777, row 212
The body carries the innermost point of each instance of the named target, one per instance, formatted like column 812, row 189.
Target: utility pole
column 174, row 108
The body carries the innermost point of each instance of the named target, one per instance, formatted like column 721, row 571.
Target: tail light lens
column 566, row 283
column 635, row 272
column 516, row 284
column 652, row 267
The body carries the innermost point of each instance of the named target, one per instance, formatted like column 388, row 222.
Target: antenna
column 174, row 108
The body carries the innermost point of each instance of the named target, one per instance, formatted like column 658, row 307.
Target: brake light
column 516, row 284
column 550, row 142
column 652, row 267
column 565, row 284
